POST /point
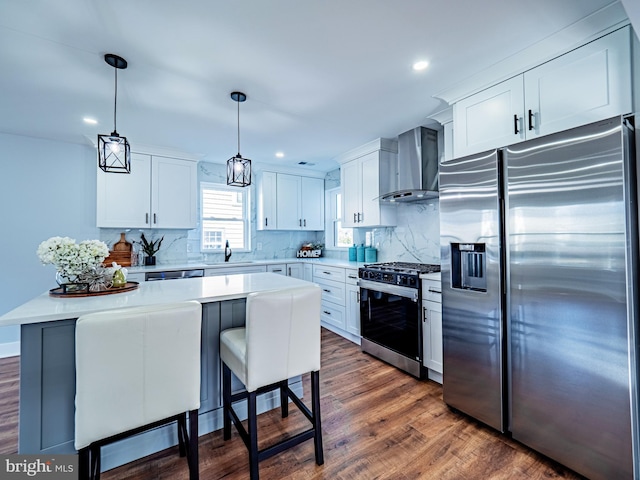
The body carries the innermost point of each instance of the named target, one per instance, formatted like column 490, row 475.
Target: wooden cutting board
column 121, row 253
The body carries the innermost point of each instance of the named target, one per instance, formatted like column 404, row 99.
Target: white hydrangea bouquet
column 74, row 262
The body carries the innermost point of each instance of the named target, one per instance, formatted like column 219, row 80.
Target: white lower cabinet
column 331, row 281
column 295, row 270
column 340, row 311
column 279, row 268
column 432, row 328
column 352, row 303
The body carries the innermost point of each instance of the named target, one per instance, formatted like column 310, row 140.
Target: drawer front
column 432, row 290
column 332, row 291
column 351, row 276
column 333, row 315
column 329, row 273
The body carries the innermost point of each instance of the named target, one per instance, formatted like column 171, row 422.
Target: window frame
column 330, row 227
column 246, row 219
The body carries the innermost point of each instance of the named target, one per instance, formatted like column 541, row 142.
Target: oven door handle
column 398, row 290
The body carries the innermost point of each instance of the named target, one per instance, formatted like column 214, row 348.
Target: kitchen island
column 47, row 361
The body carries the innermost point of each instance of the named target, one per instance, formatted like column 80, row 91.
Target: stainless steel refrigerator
column 539, row 245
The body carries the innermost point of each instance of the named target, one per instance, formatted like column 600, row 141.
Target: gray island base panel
column 47, row 388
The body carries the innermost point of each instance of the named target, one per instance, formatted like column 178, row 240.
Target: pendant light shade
column 238, row 168
column 114, row 153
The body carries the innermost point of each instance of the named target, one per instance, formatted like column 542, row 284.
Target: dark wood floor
column 378, row 423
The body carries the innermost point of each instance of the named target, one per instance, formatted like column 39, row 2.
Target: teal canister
column 352, row 253
column 360, row 253
column 370, row 254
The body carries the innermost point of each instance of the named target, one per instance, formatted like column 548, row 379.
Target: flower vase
column 71, row 285
column 151, row 260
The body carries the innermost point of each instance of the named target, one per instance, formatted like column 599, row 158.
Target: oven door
column 390, row 317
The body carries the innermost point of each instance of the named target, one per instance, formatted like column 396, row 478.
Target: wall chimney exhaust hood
column 417, row 167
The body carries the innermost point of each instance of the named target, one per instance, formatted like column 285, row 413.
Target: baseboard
column 10, row 349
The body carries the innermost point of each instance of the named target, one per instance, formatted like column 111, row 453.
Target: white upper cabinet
column 159, row 192
column 290, row 202
column 364, row 178
column 585, row 85
column 267, row 190
column 588, row 84
column 489, row 119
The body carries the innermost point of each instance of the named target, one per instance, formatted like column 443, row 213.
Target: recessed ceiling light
column 421, row 65
column 279, row 154
column 90, row 121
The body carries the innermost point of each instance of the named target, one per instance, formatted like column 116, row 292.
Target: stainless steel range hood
column 417, row 166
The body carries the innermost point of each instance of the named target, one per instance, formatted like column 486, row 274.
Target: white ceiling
column 321, row 77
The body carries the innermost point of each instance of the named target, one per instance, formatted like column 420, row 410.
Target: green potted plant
column 150, row 249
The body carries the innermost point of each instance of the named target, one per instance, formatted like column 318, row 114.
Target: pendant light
column 113, row 150
column 238, row 168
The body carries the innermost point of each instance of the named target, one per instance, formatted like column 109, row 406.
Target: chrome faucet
column 227, row 252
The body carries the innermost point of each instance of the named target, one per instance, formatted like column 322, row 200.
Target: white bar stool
column 136, row 369
column 281, row 340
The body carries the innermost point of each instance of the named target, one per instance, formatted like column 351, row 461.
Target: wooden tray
column 57, row 292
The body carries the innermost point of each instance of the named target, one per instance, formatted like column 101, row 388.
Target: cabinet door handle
column 425, row 317
column 155, row 220
column 353, row 277
column 305, row 222
column 355, row 218
column 289, row 271
column 325, row 312
column 327, row 273
column 325, row 290
column 433, row 290
column 359, row 217
column 146, row 218
column 299, row 222
column 266, row 222
column 515, row 124
column 276, row 270
column 531, row 119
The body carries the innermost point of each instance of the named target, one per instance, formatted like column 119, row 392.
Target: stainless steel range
column 390, row 313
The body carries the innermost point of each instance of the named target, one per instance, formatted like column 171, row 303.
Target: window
column 224, row 216
column 336, row 235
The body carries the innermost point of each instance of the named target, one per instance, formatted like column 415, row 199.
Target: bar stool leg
column 252, row 424
column 192, row 450
column 315, row 410
column 284, row 399
column 226, row 402
column 84, row 464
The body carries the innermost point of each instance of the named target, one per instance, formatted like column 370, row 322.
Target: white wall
column 47, row 188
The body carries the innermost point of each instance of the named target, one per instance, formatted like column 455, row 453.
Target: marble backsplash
column 415, row 239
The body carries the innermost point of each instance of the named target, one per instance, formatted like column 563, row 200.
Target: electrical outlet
column 259, row 246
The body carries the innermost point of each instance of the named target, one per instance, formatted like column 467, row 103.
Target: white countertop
column 166, row 267
column 45, row 308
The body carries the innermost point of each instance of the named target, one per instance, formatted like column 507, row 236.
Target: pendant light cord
column 115, row 101
column 238, row 102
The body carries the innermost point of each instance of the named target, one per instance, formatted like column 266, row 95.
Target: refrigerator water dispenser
column 468, row 266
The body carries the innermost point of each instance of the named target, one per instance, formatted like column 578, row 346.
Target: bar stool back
column 281, row 340
column 136, row 369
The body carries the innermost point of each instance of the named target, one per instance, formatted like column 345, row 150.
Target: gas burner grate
column 405, row 267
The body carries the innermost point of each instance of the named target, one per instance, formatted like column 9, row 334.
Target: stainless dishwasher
column 173, row 275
